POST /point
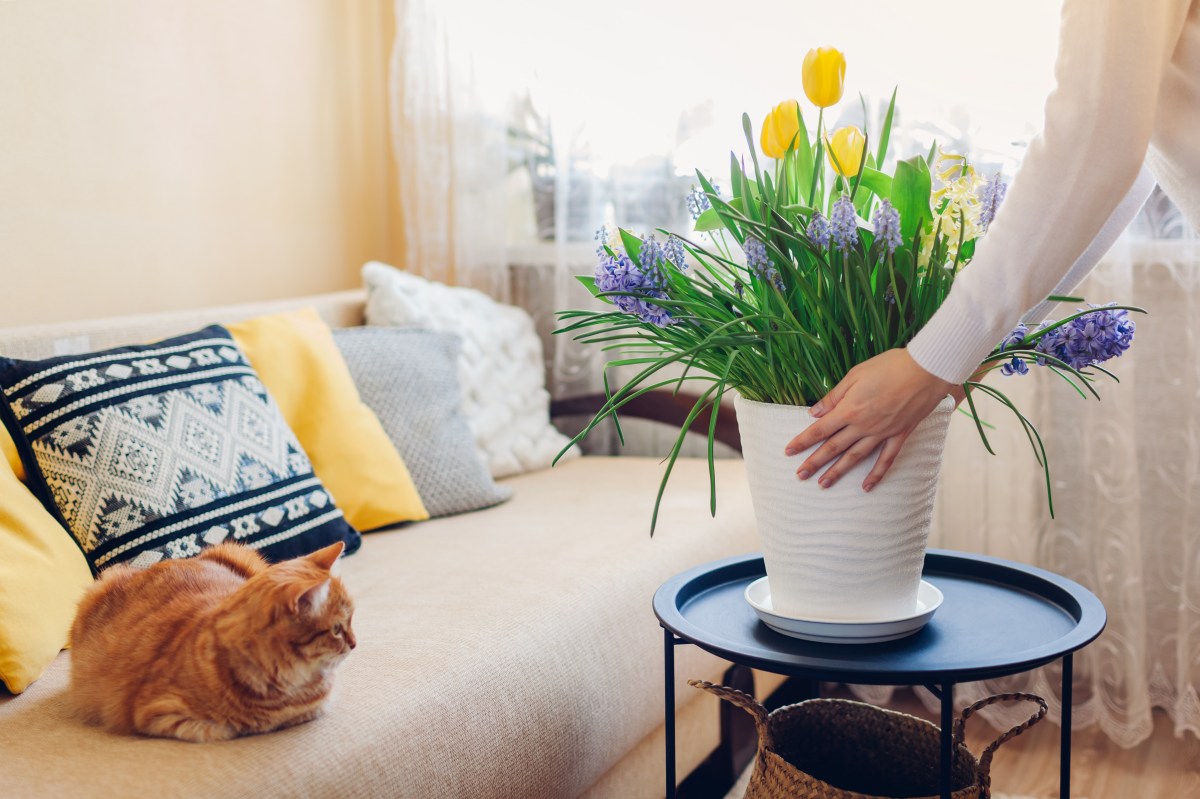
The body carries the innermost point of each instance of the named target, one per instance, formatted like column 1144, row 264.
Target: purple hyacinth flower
column 1099, row 335
column 1015, row 338
column 1016, row 366
column 1092, row 338
column 1051, row 343
column 617, row 273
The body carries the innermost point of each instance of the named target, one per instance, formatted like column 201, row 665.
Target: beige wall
column 163, row 154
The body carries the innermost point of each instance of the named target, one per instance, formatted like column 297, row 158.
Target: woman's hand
column 880, row 401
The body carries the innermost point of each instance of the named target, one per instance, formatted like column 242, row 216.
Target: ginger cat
column 211, row 648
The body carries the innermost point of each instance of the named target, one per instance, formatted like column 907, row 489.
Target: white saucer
column 833, row 631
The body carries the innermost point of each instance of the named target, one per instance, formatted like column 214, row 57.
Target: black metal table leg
column 669, row 711
column 947, row 759
column 1064, row 754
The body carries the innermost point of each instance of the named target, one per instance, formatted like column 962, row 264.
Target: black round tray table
column 998, row 618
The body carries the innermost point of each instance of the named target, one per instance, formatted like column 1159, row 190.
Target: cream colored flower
column 956, row 206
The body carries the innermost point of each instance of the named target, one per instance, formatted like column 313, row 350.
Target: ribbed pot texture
column 840, row 553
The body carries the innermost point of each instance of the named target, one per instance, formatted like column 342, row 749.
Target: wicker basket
column 839, row 749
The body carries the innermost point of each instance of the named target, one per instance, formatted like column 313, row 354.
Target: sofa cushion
column 507, row 653
column 160, row 450
column 408, row 378
column 297, row 360
column 500, row 369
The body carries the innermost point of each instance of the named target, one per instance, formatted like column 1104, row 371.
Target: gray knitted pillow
column 408, row 378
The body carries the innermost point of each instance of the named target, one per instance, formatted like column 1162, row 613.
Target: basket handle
column 746, row 703
column 985, row 760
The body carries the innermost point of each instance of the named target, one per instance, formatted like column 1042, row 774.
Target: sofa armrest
column 657, row 406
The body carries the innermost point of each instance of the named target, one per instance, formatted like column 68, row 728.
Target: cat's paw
column 186, row 728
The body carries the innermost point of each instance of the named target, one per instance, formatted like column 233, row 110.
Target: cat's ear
column 312, row 600
column 325, row 558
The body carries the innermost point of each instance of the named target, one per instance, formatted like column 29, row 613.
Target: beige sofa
column 510, row 652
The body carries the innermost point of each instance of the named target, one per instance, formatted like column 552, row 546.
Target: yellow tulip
column 823, row 73
column 845, row 150
column 780, row 128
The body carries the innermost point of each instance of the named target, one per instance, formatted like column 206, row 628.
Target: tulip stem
column 818, row 162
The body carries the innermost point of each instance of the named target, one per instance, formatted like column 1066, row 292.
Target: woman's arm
column 1125, row 212
column 1098, row 121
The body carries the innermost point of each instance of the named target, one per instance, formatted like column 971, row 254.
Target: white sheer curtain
column 605, row 113
column 448, row 144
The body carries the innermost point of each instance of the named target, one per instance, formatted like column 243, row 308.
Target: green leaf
column 877, row 182
column 803, row 152
column 589, row 283
column 735, row 177
column 886, row 132
column 633, row 246
column 708, row 221
column 767, row 193
column 911, row 188
column 818, row 169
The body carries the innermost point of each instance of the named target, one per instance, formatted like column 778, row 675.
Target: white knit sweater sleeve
column 1125, row 212
column 1098, row 122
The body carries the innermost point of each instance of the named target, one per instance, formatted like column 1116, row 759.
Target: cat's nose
column 351, row 640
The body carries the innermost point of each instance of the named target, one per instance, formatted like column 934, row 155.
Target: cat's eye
column 337, row 629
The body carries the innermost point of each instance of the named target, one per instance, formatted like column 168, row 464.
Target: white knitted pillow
column 500, row 368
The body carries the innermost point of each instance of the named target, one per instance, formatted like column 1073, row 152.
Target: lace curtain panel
column 448, row 147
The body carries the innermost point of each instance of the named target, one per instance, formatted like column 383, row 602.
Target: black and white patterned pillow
column 158, row 451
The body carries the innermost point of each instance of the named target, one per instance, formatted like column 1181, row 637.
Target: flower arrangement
column 817, row 260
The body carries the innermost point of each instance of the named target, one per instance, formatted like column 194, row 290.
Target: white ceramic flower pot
column 840, row 553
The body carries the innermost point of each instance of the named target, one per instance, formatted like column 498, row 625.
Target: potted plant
column 816, row 261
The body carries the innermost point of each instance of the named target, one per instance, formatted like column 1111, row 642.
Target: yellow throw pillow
column 296, row 358
column 42, row 576
column 9, row 450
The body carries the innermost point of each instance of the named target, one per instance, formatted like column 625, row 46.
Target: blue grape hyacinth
column 674, row 251
column 990, row 197
column 886, row 221
column 819, row 230
column 698, row 201
column 760, row 262
column 601, row 238
column 843, row 222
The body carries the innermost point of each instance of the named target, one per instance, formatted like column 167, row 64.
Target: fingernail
column 826, row 483
column 817, row 409
column 804, row 474
column 868, row 486
column 790, row 451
